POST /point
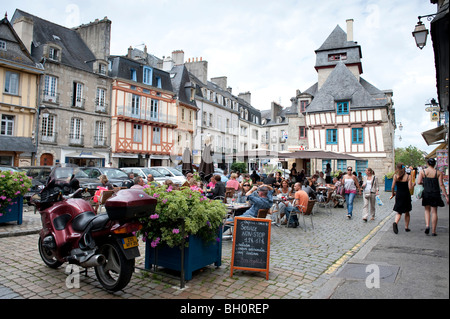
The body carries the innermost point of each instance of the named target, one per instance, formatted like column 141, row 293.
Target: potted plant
column 388, row 179
column 184, row 219
column 13, row 185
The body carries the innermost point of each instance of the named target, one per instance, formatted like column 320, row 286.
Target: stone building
column 74, row 97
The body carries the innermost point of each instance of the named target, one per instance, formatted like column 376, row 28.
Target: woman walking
column 402, row 196
column 370, row 187
column 431, row 179
column 350, row 184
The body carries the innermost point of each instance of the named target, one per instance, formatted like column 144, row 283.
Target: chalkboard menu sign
column 251, row 245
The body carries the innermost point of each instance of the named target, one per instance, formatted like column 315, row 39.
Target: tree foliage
column 410, row 156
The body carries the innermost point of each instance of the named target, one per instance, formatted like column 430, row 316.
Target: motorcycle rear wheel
column 47, row 256
column 116, row 272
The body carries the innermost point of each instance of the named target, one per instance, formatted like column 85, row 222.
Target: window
column 137, row 133
column 48, row 128
column 53, row 54
column 154, row 112
column 101, row 68
column 133, row 75
column 7, row 125
column 50, row 88
column 135, row 105
column 75, row 131
column 12, row 83
column 156, row 135
column 182, row 114
column 2, row 45
column 342, row 165
column 78, row 100
column 100, row 100
column 357, row 136
column 332, row 136
column 147, row 76
column 302, row 132
column 342, row 108
column 158, row 82
column 361, row 166
column 99, row 135
column 303, row 105
column 337, row 57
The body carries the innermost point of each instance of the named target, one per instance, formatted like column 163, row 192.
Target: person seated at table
column 262, row 199
column 321, row 181
column 311, row 193
column 284, row 193
column 246, row 179
column 151, row 180
column 105, row 182
column 219, row 188
column 300, row 204
column 232, row 182
column 138, row 183
column 211, row 184
column 242, row 197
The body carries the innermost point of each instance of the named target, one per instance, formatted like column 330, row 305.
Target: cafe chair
column 304, row 212
column 262, row 213
column 327, row 204
column 105, row 195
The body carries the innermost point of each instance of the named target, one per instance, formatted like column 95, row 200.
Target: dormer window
column 54, row 54
column 2, row 45
column 342, row 107
column 102, row 68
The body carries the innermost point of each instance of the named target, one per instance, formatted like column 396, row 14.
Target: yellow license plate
column 130, row 242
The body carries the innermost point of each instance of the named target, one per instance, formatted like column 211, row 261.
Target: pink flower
column 156, row 195
column 164, row 201
column 154, row 216
column 169, row 189
column 176, row 231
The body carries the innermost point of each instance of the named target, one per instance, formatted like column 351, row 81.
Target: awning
column 440, row 147
column 17, row 144
column 435, row 135
column 84, row 154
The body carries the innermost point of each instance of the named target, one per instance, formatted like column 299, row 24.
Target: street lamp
column 420, row 31
column 400, row 127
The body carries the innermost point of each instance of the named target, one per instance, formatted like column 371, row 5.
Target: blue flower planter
column 199, row 254
column 388, row 184
column 16, row 212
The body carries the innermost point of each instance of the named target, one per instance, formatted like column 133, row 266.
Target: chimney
column 24, row 29
column 168, row 63
column 349, row 29
column 130, row 50
column 247, row 97
column 178, row 57
column 221, row 82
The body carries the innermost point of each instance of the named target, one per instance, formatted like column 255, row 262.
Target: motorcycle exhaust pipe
column 94, row 261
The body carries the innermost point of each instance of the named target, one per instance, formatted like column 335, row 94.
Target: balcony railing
column 101, row 106
column 51, row 97
column 147, row 116
column 76, row 139
column 100, row 141
column 78, row 102
column 49, row 138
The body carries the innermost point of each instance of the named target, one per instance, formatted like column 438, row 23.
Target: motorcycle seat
column 84, row 219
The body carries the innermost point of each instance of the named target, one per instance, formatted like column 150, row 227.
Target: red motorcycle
column 72, row 233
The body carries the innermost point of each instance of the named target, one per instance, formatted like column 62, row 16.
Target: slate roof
column 74, row 51
column 17, row 144
column 180, row 78
column 16, row 54
column 337, row 40
column 342, row 85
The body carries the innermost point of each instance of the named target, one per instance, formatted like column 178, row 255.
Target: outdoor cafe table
column 236, row 209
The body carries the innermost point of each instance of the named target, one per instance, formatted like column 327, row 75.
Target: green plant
column 179, row 213
column 390, row 175
column 12, row 185
column 239, row 167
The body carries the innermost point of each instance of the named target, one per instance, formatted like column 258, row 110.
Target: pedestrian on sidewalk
column 402, row 196
column 350, row 184
column 431, row 179
column 370, row 187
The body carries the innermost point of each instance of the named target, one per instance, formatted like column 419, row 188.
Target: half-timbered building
column 345, row 113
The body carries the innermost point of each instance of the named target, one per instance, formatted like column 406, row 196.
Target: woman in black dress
column 431, row 179
column 402, row 196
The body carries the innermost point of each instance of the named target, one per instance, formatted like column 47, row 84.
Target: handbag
column 340, row 190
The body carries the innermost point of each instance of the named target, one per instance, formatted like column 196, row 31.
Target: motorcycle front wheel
column 47, row 256
column 116, row 272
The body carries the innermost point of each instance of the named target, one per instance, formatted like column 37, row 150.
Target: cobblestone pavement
column 301, row 262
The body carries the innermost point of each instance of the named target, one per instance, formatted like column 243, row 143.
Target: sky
column 266, row 47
